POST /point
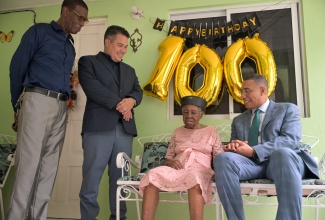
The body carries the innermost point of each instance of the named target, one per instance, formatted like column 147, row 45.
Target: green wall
column 154, row 110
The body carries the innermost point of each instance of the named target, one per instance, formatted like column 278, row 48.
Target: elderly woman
column 187, row 165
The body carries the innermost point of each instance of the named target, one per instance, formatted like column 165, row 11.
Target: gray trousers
column 40, row 136
column 100, row 150
column 284, row 167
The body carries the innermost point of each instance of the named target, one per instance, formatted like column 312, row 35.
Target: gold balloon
column 233, row 58
column 258, row 51
column 170, row 51
column 263, row 56
column 212, row 65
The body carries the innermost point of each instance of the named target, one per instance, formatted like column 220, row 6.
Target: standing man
column 112, row 89
column 271, row 154
column 40, row 87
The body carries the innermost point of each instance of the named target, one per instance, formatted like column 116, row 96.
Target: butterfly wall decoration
column 6, row 37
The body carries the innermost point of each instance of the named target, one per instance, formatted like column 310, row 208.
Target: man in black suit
column 112, row 89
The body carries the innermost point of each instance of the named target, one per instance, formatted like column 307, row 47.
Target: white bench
column 7, row 151
column 252, row 190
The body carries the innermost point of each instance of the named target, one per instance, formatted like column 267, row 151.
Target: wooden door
column 64, row 202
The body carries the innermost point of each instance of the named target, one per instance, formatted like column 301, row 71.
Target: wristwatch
column 255, row 156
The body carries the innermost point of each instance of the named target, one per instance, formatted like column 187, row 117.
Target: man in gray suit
column 112, row 89
column 275, row 156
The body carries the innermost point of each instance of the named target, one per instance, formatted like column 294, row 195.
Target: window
column 279, row 30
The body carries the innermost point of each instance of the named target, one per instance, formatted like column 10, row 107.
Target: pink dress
column 194, row 148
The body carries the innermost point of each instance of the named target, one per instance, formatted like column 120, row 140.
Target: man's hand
column 14, row 125
column 127, row 116
column 239, row 147
column 125, row 105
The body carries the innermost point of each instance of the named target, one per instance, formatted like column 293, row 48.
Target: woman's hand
column 173, row 163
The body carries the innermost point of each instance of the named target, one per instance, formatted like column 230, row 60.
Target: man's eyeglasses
column 245, row 91
column 80, row 17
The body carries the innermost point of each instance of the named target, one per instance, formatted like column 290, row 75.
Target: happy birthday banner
column 176, row 60
column 197, row 29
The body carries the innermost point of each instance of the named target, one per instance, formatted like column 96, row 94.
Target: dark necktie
column 254, row 130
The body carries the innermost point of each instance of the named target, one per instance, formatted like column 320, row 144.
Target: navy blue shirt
column 44, row 59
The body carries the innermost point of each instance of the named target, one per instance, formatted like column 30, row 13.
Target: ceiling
column 11, row 5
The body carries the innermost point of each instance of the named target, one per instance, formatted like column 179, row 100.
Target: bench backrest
column 153, row 155
column 155, row 146
column 223, row 130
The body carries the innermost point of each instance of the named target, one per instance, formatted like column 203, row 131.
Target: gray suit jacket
column 104, row 91
column 281, row 128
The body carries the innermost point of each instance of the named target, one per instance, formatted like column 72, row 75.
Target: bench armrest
column 125, row 163
column 321, row 167
column 11, row 158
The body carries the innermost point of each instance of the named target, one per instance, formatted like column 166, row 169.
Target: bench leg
column 219, row 211
column 118, row 194
column 2, row 209
column 118, row 200
column 138, row 205
column 316, row 208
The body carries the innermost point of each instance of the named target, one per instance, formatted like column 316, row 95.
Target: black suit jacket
column 104, row 91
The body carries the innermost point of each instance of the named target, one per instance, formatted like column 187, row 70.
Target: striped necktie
column 254, row 130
